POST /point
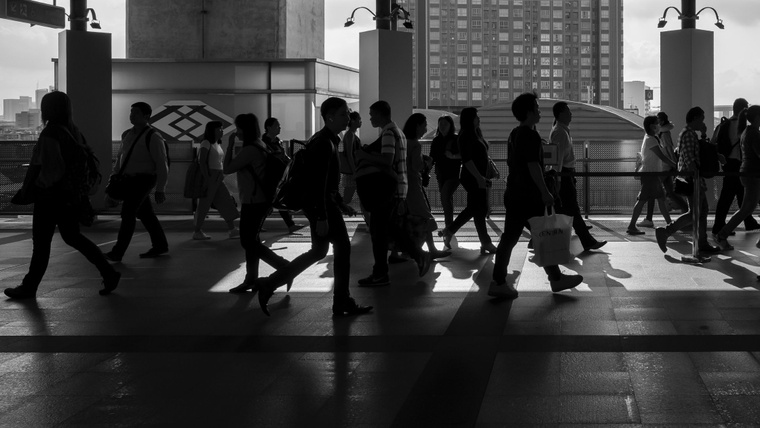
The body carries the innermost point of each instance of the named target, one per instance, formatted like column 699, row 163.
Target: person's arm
column 561, row 139
column 388, row 147
column 51, row 160
column 203, row 160
column 415, row 157
column 348, row 147
column 657, row 150
column 537, row 174
column 158, row 154
column 244, row 158
column 470, row 165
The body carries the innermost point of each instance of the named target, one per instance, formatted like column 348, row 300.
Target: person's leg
column 376, row 195
column 674, row 197
column 704, row 209
column 728, row 192
column 43, row 228
column 513, row 226
column 287, row 218
column 478, row 200
column 447, row 189
column 637, row 208
column 68, row 227
column 319, row 247
column 650, row 211
column 204, row 203
column 569, row 199
column 150, row 221
column 663, row 204
column 224, row 203
column 465, row 215
column 749, row 221
column 129, row 209
column 338, row 236
column 750, row 199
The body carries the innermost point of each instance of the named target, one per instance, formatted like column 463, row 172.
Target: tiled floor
column 645, row 340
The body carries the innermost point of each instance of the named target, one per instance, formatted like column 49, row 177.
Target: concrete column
column 84, row 73
column 687, row 75
column 385, row 73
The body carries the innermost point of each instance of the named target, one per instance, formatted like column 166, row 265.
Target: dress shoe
column 423, row 264
column 113, row 257
column 634, row 232
column 438, row 254
column 21, row 292
column 243, row 287
column 504, row 291
column 595, row 246
column 566, row 282
column 110, row 283
column 375, row 281
column 266, row 292
column 662, row 238
column 723, row 244
column 708, row 249
column 489, row 248
column 153, row 253
column 348, row 306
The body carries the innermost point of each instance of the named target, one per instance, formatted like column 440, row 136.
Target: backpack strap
column 129, row 153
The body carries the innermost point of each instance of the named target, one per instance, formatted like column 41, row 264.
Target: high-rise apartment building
column 482, row 52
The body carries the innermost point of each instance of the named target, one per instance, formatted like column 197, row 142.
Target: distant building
column 637, row 98
column 38, row 94
column 31, row 119
column 13, row 106
column 477, row 53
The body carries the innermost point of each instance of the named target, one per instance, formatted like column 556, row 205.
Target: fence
column 597, row 195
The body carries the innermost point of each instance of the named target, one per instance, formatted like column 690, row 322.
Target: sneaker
column 662, row 238
column 112, row 257
column 723, row 244
column 234, row 233
column 566, row 282
column 375, row 281
column 153, row 253
column 295, row 227
column 506, row 290
column 634, row 232
column 200, row 236
column 110, row 284
column 645, row 223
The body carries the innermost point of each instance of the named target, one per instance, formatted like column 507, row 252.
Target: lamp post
column 385, row 21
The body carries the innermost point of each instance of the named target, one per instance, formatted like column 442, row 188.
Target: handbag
column 683, row 186
column 29, row 191
column 551, row 238
column 195, row 183
column 639, row 164
column 118, row 185
column 491, row 170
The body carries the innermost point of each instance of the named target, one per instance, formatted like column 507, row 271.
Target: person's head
column 445, row 126
column 247, row 128
column 525, row 108
column 662, row 118
column 354, row 120
column 753, row 115
column 56, row 108
column 379, row 114
column 695, row 117
column 562, row 112
column 140, row 113
column 651, row 125
column 739, row 105
column 415, row 127
column 468, row 119
column 272, row 126
column 213, row 132
column 334, row 112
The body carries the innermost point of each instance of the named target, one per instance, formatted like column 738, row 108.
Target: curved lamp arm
column 350, row 21
column 718, row 21
column 662, row 21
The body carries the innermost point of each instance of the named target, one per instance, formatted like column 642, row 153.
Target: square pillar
column 385, row 73
column 687, row 75
column 84, row 73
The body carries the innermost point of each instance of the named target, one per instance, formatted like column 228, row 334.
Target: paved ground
column 645, row 340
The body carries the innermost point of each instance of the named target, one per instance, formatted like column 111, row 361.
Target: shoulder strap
column 129, row 153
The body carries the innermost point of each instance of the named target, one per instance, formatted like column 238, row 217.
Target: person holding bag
column 211, row 159
column 54, row 201
column 140, row 166
column 526, row 196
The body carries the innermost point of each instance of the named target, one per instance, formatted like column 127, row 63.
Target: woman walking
column 255, row 204
column 211, row 157
column 475, row 164
column 56, row 202
column 444, row 150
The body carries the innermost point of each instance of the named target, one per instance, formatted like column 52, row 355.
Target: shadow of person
column 35, row 316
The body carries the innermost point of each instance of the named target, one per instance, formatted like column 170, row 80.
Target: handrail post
column 696, row 207
column 586, row 180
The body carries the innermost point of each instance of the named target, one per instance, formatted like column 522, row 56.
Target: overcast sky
column 25, row 52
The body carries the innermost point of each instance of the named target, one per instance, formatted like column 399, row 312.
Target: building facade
column 637, row 98
column 482, row 52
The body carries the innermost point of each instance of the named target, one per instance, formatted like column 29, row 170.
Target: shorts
column 651, row 188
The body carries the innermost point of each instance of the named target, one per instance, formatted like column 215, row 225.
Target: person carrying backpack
column 323, row 207
column 250, row 164
column 143, row 164
column 727, row 136
column 56, row 200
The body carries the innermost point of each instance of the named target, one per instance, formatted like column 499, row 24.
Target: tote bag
column 195, row 184
column 551, row 238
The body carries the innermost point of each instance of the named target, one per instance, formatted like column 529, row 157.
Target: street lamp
column 687, row 16
column 397, row 12
column 350, row 20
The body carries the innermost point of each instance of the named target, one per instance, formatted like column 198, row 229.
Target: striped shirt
column 393, row 141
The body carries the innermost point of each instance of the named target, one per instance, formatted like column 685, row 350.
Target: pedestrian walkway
column 644, row 340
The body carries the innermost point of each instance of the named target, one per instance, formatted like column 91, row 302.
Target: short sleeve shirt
column 524, row 146
column 649, row 161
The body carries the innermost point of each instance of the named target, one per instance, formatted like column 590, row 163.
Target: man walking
column 142, row 160
column 323, row 210
column 560, row 135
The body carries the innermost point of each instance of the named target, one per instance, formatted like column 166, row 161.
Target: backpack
column 148, row 136
column 82, row 177
column 274, row 168
column 709, row 165
column 292, row 190
column 722, row 139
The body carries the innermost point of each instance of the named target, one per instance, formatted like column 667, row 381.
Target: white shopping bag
column 551, row 238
